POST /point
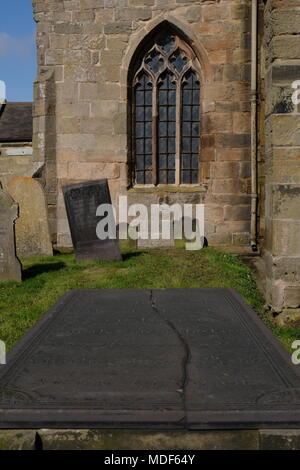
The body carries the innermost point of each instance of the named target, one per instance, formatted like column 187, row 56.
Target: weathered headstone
column 10, row 267
column 32, row 229
column 82, row 201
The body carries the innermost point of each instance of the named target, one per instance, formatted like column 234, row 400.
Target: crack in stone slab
column 186, row 358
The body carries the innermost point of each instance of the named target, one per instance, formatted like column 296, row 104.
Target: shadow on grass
column 126, row 256
column 41, row 268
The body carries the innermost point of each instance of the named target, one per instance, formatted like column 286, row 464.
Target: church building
column 178, row 101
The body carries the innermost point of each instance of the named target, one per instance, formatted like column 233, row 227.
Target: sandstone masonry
column 82, row 117
column 81, row 112
column 282, row 159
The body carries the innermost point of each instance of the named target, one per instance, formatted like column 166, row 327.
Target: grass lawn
column 46, row 279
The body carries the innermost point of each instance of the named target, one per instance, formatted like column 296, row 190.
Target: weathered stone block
column 17, row 440
column 236, row 154
column 233, row 140
column 215, row 12
column 224, row 170
column 285, row 129
column 96, row 126
column 134, row 14
column 286, row 47
column 292, row 296
column 279, row 439
column 237, row 212
column 286, row 237
column 228, row 186
column 104, row 108
column 88, row 91
column 285, row 21
column 92, row 171
column 68, row 28
column 241, row 123
column 118, row 28
column 217, row 122
column 286, row 202
column 241, row 238
column 285, row 73
column 227, row 106
column 219, row 239
column 286, row 268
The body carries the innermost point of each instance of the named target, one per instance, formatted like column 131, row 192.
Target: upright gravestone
column 82, row 201
column 32, row 229
column 10, row 267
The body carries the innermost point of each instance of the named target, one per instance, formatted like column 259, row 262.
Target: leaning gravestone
column 10, row 267
column 32, row 229
column 82, row 201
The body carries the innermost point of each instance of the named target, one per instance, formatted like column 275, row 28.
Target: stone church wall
column 282, row 159
column 81, row 109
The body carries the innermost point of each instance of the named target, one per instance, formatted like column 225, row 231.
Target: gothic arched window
column 166, row 113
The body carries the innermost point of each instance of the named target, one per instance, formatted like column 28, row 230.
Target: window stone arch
column 165, row 111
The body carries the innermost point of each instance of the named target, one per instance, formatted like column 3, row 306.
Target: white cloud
column 20, row 46
column 2, row 92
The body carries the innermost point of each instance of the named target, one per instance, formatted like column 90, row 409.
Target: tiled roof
column 16, row 122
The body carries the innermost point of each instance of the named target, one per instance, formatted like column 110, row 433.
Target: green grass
column 46, row 279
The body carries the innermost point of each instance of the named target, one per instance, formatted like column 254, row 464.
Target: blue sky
column 17, row 49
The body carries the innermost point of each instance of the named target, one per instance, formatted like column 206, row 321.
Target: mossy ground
column 46, row 279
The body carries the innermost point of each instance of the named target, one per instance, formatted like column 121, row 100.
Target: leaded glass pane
column 166, row 43
column 148, row 98
column 143, row 130
column 139, row 97
column 195, row 128
column 185, row 177
column 195, row 113
column 195, row 161
column 139, row 146
column 163, row 113
column 187, row 97
column 155, row 60
column 140, row 114
column 171, row 145
column 148, row 177
column 194, row 177
column 139, row 129
column 148, row 161
column 140, row 177
column 162, row 161
column 171, row 177
column 178, row 60
column 190, row 128
column 186, row 113
column 172, row 113
column 163, row 97
column 148, row 129
column 162, row 176
column 166, row 129
column 148, row 113
column 171, row 162
column 186, row 144
column 185, row 161
column 139, row 162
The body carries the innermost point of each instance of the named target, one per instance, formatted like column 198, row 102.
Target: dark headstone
column 10, row 267
column 82, row 201
column 170, row 358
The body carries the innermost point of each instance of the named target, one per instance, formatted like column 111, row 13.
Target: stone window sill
column 196, row 188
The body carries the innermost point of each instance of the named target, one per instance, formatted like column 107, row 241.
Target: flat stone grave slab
column 152, row 359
